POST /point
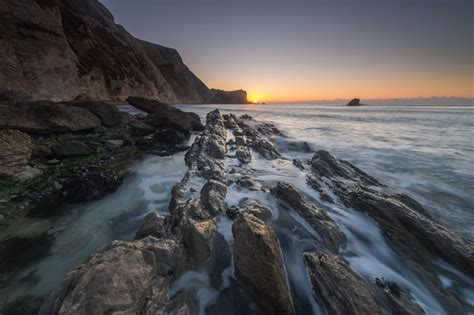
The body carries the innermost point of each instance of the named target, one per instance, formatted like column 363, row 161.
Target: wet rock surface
column 339, row 288
column 315, row 216
column 259, row 265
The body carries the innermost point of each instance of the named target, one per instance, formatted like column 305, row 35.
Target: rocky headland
column 65, row 49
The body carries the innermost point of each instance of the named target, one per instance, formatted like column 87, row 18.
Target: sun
column 255, row 97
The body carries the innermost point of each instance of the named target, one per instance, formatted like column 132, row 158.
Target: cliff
column 67, row 49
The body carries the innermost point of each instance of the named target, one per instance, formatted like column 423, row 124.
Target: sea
column 426, row 152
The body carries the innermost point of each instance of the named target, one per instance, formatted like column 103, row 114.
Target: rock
column 340, row 289
column 323, row 164
column 213, row 195
column 108, row 114
column 198, row 237
column 88, row 182
column 156, row 225
column 314, row 183
column 405, row 223
column 15, row 152
column 138, row 128
column 298, row 164
column 322, row 223
column 259, row 267
column 41, row 151
column 354, row 102
column 46, row 117
column 243, row 154
column 166, row 116
column 232, row 212
column 118, row 279
column 69, row 149
column 247, row 182
column 246, row 116
column 24, row 305
column 171, row 136
column 257, row 210
column 239, row 140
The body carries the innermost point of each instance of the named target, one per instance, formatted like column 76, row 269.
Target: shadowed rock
column 118, row 279
column 72, row 148
column 338, row 287
column 259, row 267
column 162, row 115
column 354, row 102
column 46, row 117
column 316, row 217
column 108, row 114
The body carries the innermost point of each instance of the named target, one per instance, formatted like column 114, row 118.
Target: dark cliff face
column 63, row 49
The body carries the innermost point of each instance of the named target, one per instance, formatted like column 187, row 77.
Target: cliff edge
column 67, row 49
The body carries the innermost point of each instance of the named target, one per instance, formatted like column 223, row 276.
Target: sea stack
column 354, row 102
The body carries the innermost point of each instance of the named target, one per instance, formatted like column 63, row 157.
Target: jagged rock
column 314, row 183
column 232, row 212
column 246, row 116
column 24, row 305
column 239, row 140
column 259, row 267
column 87, row 182
column 354, row 102
column 198, row 237
column 247, row 182
column 156, row 225
column 340, row 289
column 15, row 152
column 162, row 115
column 170, row 136
column 257, row 210
column 298, row 164
column 323, row 164
column 243, row 154
column 316, row 217
column 46, row 117
column 138, row 128
column 117, row 279
column 73, row 148
column 405, row 223
column 108, row 114
column 213, row 195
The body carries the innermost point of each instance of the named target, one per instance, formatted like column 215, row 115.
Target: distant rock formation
column 67, row 49
column 354, row 102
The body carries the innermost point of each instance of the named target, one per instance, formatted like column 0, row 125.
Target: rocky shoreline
column 206, row 255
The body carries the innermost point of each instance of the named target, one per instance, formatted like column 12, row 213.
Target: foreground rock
column 165, row 116
column 46, row 117
column 15, row 151
column 259, row 267
column 338, row 287
column 135, row 269
column 322, row 223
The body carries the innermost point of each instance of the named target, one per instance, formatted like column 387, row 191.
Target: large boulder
column 15, row 151
column 198, row 237
column 259, row 267
column 340, row 289
column 108, row 113
column 164, row 116
column 118, row 279
column 46, row 117
column 354, row 102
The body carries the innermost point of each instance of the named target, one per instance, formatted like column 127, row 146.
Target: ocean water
column 424, row 151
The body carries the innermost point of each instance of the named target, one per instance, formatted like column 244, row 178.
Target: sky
column 283, row 50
